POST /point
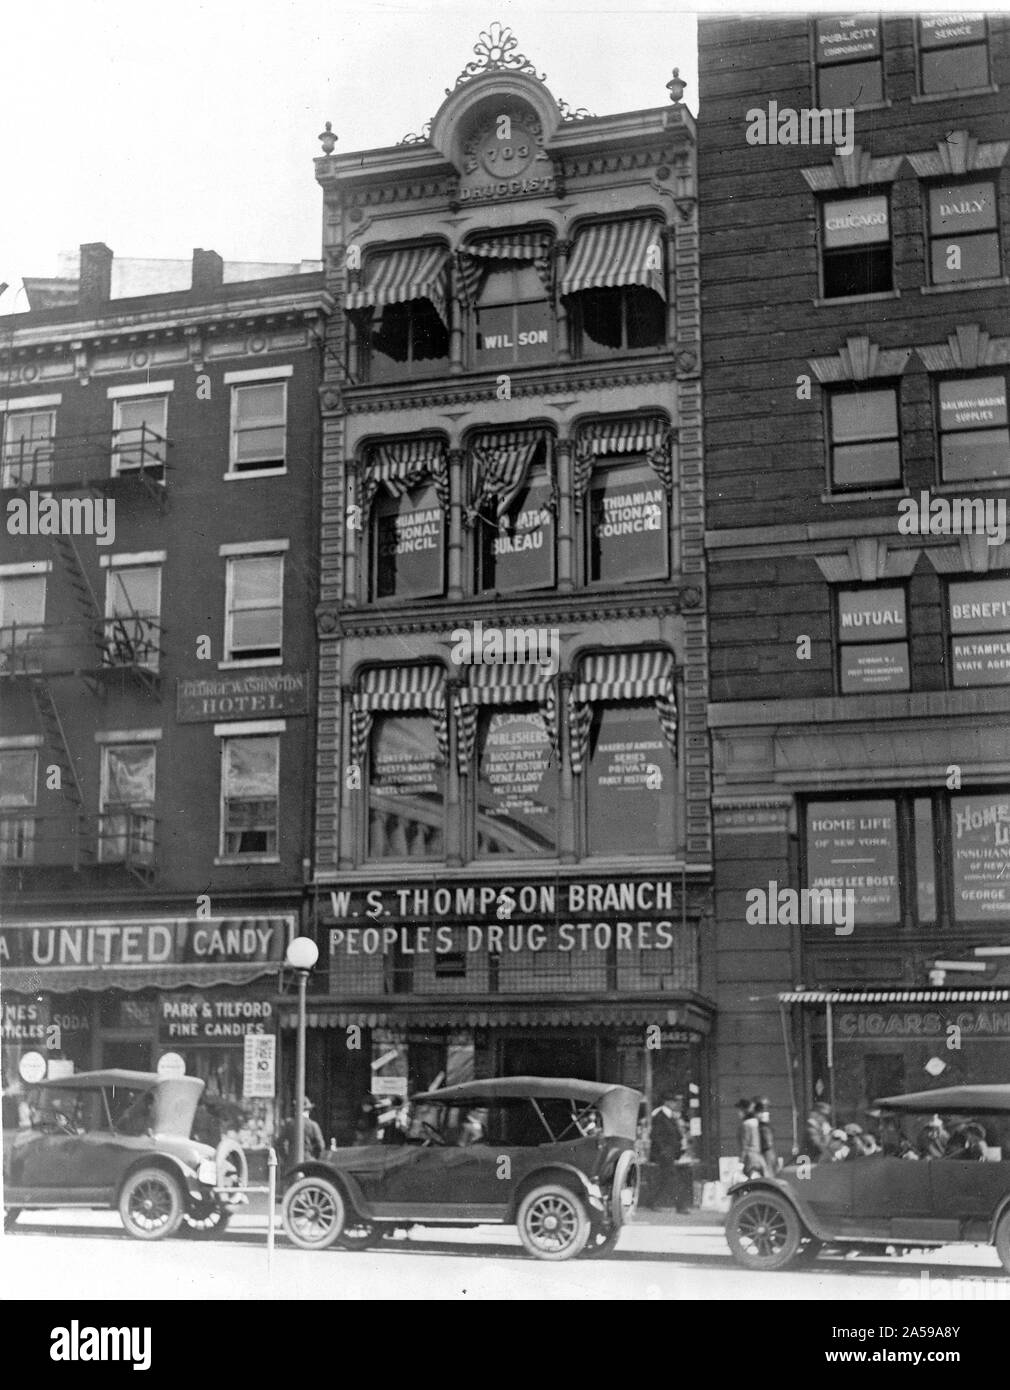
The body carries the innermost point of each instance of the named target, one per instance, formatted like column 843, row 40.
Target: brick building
column 159, row 487
column 854, row 311
column 512, row 848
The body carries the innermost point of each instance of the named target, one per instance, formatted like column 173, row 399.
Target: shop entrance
column 554, row 1056
column 133, row 1054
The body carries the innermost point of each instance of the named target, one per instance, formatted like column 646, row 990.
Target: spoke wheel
column 763, row 1231
column 314, row 1213
column 358, row 1235
column 601, row 1243
column 151, row 1204
column 552, row 1223
column 205, row 1218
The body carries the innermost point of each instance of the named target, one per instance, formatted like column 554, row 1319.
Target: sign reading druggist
column 853, row 844
column 852, row 36
column 855, row 221
column 980, row 826
column 867, row 623
column 981, row 606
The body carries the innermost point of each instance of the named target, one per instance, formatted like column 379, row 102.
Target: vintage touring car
column 555, row 1158
column 893, row 1197
column 118, row 1139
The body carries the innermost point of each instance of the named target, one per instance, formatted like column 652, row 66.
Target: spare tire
column 232, row 1165
column 624, row 1188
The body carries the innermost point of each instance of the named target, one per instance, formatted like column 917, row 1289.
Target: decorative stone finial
column 327, row 139
column 675, row 87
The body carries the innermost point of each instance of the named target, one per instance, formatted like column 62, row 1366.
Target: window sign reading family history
column 980, row 607
column 517, row 784
column 630, row 782
column 627, row 525
column 980, row 826
column 871, row 635
column 854, row 845
column 405, row 789
column 410, row 547
column 517, row 549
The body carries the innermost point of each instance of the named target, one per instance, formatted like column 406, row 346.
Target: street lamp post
column 301, row 956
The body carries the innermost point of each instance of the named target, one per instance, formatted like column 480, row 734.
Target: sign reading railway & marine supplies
column 240, row 697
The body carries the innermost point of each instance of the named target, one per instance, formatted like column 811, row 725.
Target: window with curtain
column 127, row 803
column 259, row 427
column 250, row 795
column 515, row 548
column 18, row 791
column 133, row 616
column 255, row 598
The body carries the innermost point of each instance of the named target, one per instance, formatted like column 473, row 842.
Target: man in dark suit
column 667, row 1146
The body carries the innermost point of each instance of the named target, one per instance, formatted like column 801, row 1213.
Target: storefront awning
column 500, row 462
column 651, row 435
column 895, row 996
column 509, row 246
column 402, row 465
column 416, row 272
column 625, row 676
column 95, row 979
column 501, row 685
column 669, row 1014
column 392, row 688
column 617, row 253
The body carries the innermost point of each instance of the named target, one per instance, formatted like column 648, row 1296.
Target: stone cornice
column 855, row 170
column 859, row 360
column 966, row 349
column 863, row 711
column 959, row 153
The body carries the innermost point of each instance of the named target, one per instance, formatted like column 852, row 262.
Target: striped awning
column 414, row 272
column 502, row 685
column 895, row 996
column 398, row 688
column 473, row 259
column 621, row 676
column 131, row 978
column 649, row 435
column 676, row 1010
column 401, row 465
column 499, row 462
column 617, row 253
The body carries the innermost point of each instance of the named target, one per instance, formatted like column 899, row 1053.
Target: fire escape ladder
column 84, row 593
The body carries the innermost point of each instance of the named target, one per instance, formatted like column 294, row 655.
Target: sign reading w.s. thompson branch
column 241, row 696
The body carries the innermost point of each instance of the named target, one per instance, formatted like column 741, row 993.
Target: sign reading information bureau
column 239, row 697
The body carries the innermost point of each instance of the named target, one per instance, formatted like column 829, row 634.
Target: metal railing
column 85, row 460
column 127, row 835
column 34, row 840
column 118, row 643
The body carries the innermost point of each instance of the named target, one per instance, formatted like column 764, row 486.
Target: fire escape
column 116, row 648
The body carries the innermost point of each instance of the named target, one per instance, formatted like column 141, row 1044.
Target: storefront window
column 630, row 778
column 872, row 640
column 849, row 62
column 513, row 321
column 408, row 545
column 516, row 550
column 980, row 607
column 972, row 419
column 517, row 784
column 856, row 242
column 953, row 53
column 406, row 789
column 980, row 827
column 853, row 845
column 18, row 788
column 627, row 525
column 865, row 452
column 250, row 776
column 963, row 235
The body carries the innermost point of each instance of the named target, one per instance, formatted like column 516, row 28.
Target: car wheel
column 232, row 1166
column 314, row 1213
column 601, row 1242
column 763, row 1231
column 151, row 1205
column 808, row 1251
column 1002, row 1240
column 358, row 1235
column 11, row 1215
column 624, row 1188
column 205, row 1218
column 552, row 1223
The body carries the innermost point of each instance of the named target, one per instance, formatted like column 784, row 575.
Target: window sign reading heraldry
column 980, row 826
column 854, row 845
column 517, row 784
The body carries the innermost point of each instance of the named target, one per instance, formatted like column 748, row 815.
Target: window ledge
column 876, row 495
column 241, row 859
column 255, row 473
column 975, row 484
column 875, row 106
column 965, row 285
column 856, row 298
column 919, row 97
column 249, row 664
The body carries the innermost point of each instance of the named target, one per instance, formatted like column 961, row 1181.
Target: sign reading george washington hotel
column 239, row 697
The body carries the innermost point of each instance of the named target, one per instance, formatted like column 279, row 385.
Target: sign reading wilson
column 239, row 697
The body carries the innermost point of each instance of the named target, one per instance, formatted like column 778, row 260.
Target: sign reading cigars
column 241, row 696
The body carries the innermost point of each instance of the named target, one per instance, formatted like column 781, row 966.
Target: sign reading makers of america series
column 242, row 696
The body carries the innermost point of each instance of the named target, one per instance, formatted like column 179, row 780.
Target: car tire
column 151, row 1204
column 11, row 1215
column 763, row 1231
column 314, row 1213
column 627, row 1179
column 809, row 1251
column 601, row 1243
column 1002, row 1240
column 232, row 1165
column 358, row 1235
column 553, row 1223
column 205, row 1219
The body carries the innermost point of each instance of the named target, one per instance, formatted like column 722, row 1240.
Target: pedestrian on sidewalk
column 666, row 1148
column 750, row 1141
column 818, row 1129
column 766, row 1135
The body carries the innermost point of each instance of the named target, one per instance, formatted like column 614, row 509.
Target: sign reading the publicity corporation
column 239, row 697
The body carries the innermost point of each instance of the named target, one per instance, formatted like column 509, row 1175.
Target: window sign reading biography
column 405, row 789
column 854, row 845
column 517, row 784
column 871, row 633
column 627, row 525
column 980, row 607
column 410, row 547
column 630, row 782
column 980, row 826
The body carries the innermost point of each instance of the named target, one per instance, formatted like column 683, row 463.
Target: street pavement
column 85, row 1255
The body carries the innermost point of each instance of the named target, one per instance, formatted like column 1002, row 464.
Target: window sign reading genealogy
column 854, row 844
column 980, row 827
column 410, row 545
column 517, row 784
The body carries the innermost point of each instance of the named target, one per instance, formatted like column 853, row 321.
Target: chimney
column 208, row 271
column 96, row 277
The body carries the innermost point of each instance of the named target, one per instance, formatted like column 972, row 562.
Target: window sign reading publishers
column 980, row 826
column 980, row 607
column 410, row 545
column 517, row 784
column 871, row 635
column 854, row 845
